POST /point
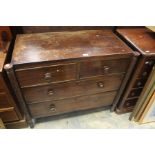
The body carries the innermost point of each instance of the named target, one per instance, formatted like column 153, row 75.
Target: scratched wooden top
column 31, row 48
column 142, row 38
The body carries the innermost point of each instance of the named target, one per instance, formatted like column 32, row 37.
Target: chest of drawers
column 9, row 111
column 60, row 72
column 143, row 41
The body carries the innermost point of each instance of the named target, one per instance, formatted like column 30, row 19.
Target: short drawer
column 139, row 83
column 147, row 67
column 4, row 102
column 135, row 93
column 103, row 67
column 72, row 89
column 9, row 116
column 69, row 105
column 44, row 75
column 130, row 103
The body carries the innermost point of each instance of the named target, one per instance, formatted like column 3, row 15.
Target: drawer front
column 70, row 105
column 4, row 102
column 9, row 116
column 72, row 89
column 147, row 67
column 130, row 103
column 135, row 93
column 94, row 68
column 139, row 83
column 46, row 75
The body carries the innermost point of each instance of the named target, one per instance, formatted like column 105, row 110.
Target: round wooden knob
column 47, row 76
column 52, row 108
column 50, row 92
column 100, row 84
column 139, row 83
column 144, row 74
column 150, row 63
column 106, row 69
column 127, row 104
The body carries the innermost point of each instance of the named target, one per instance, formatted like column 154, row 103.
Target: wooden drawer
column 146, row 69
column 8, row 116
column 69, row 105
column 139, row 83
column 72, row 89
column 135, row 92
column 44, row 75
column 130, row 103
column 102, row 67
column 4, row 102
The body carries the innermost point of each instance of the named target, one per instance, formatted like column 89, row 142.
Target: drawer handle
column 52, row 108
column 50, row 92
column 128, row 104
column 144, row 74
column 106, row 69
column 100, row 84
column 48, row 76
column 150, row 63
column 139, row 84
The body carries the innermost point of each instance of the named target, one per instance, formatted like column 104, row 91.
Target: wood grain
column 72, row 104
column 72, row 89
column 32, row 48
column 142, row 39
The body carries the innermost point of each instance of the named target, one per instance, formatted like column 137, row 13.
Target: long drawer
column 44, row 75
column 72, row 89
column 69, row 105
column 103, row 67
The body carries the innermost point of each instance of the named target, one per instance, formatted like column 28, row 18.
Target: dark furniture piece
column 9, row 110
column 43, row 29
column 60, row 72
column 144, row 110
column 142, row 40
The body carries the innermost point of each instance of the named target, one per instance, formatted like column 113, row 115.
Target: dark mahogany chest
column 60, row 72
column 9, row 111
column 143, row 41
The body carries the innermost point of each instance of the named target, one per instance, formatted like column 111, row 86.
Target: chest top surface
column 142, row 38
column 33, row 48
